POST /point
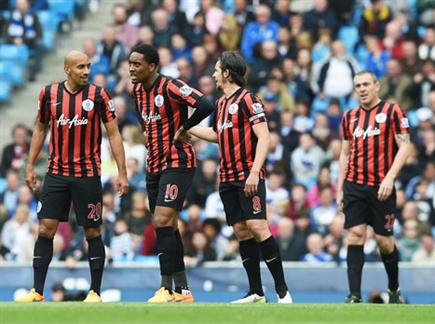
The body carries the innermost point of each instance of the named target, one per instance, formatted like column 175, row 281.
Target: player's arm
column 204, row 133
column 261, row 131
column 119, row 155
column 38, row 137
column 344, row 155
column 404, row 143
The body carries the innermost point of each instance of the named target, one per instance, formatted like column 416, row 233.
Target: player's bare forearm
column 204, row 133
column 116, row 146
column 262, row 133
column 38, row 137
column 404, row 143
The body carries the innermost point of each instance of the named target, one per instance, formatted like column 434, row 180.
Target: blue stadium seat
column 5, row 91
column 14, row 53
column 349, row 35
column 63, row 8
column 13, row 73
column 49, row 22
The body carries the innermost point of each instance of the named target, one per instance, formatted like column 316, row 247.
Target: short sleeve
column 399, row 120
column 43, row 107
column 108, row 107
column 183, row 93
column 254, row 109
column 344, row 127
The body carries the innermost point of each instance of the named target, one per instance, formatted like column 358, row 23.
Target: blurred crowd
column 302, row 57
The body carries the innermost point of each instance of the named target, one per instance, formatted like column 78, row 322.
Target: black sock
column 355, row 263
column 180, row 279
column 272, row 257
column 42, row 256
column 391, row 263
column 166, row 252
column 96, row 257
column 251, row 262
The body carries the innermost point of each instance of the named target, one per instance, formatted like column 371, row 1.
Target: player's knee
column 92, row 232
column 163, row 217
column 259, row 229
column 355, row 236
column 242, row 231
column 46, row 230
column 385, row 243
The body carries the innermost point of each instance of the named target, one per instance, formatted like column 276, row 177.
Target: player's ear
column 66, row 69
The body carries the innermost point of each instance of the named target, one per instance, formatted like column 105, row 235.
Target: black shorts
column 85, row 194
column 361, row 206
column 237, row 206
column 169, row 188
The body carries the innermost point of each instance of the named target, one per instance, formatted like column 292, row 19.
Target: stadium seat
column 13, row 73
column 14, row 53
column 349, row 36
column 49, row 22
column 63, row 8
column 5, row 91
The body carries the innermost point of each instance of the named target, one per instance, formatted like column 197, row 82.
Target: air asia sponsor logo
column 151, row 117
column 225, row 125
column 369, row 132
column 62, row 121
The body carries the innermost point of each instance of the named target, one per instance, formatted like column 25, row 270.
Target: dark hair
column 149, row 53
column 234, row 63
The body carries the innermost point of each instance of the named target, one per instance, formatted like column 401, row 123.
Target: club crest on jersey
column 159, row 100
column 404, row 122
column 233, row 108
column 381, row 118
column 111, row 105
column 88, row 105
column 186, row 90
column 257, row 108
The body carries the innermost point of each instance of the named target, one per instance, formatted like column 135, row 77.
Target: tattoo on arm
column 403, row 139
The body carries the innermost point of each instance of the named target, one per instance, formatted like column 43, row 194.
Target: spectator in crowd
column 197, row 30
column 9, row 198
column 276, row 151
column 395, row 85
column 23, row 27
column 426, row 253
column 296, row 86
column 127, row 34
column 282, row 13
column 162, row 29
column 320, row 17
column 133, row 145
column 243, row 13
column 289, row 136
column 393, row 40
column 180, row 47
column 411, row 65
column 426, row 50
column 203, row 251
column 214, row 208
column 323, row 214
column 291, row 245
column 121, row 244
column 263, row 64
column 377, row 59
column 185, row 71
column 203, row 183
column 213, row 16
column 140, row 11
column 306, row 160
column 424, row 84
column 336, row 75
column 167, row 66
column 177, row 18
column 201, row 64
column 334, row 239
column 410, row 241
column 374, row 19
column 145, row 35
column 15, row 153
column 316, row 253
column 110, row 51
column 136, row 175
column 259, row 31
column 230, row 33
column 139, row 216
column 298, row 205
column 218, row 242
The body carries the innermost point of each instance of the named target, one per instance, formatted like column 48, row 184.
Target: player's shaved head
column 73, row 57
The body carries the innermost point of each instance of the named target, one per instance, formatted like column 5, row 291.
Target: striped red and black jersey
column 75, row 128
column 371, row 134
column 233, row 123
column 162, row 109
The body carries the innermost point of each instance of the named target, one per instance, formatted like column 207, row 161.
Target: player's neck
column 372, row 104
column 71, row 87
column 229, row 89
column 149, row 83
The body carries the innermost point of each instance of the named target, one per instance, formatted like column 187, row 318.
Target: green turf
column 130, row 313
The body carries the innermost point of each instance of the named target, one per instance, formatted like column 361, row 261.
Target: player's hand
column 145, row 135
column 386, row 188
column 182, row 136
column 339, row 201
column 251, row 184
column 30, row 177
column 122, row 185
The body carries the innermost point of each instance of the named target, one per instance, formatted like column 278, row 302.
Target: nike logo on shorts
column 255, row 212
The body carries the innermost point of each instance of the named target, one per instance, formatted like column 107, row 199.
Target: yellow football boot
column 92, row 297
column 185, row 297
column 32, row 296
column 162, row 296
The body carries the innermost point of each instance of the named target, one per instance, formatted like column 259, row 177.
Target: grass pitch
column 132, row 313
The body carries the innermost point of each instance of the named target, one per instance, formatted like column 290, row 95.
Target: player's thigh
column 383, row 212
column 152, row 184
column 355, row 206
column 173, row 187
column 55, row 200
column 254, row 207
column 230, row 199
column 87, row 200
